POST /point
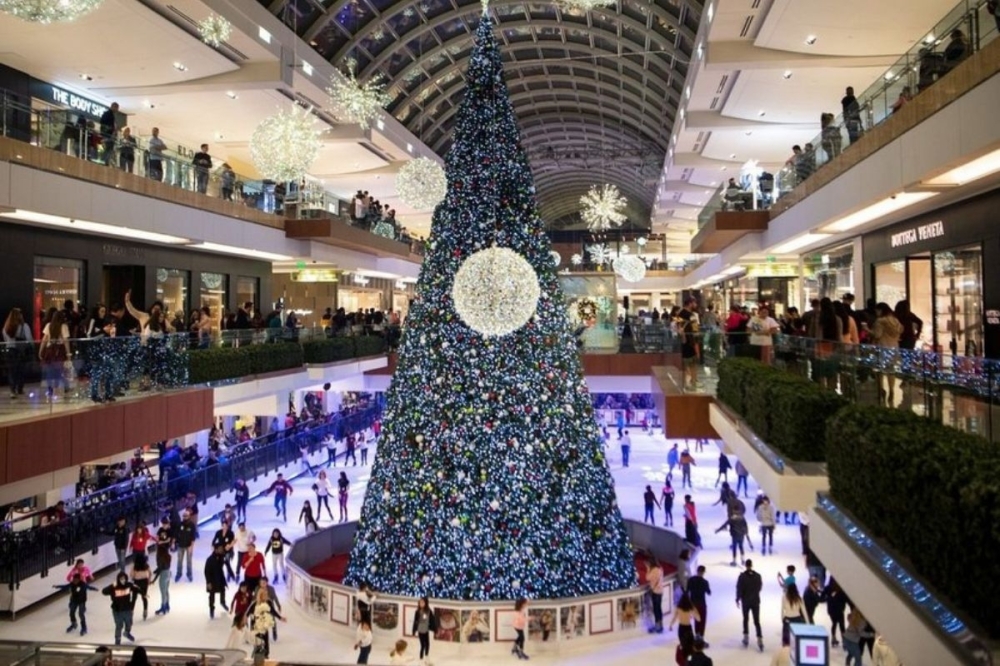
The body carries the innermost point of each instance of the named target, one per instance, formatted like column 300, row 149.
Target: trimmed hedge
column 786, row 411
column 369, row 345
column 931, row 492
column 328, row 350
column 221, row 363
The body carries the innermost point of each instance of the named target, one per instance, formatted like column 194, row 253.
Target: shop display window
column 213, row 288
column 56, row 281
column 172, row 290
column 958, row 301
column 247, row 291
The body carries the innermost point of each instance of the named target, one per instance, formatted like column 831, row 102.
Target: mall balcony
column 861, row 438
column 925, row 140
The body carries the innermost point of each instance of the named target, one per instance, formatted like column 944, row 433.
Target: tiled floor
column 188, row 624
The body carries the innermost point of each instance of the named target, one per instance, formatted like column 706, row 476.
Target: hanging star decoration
column 214, row 30
column 602, row 207
column 354, row 102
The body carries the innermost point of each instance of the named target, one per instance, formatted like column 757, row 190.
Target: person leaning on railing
column 886, row 333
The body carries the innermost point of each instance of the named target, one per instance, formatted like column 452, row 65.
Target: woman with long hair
column 17, row 349
column 141, row 575
column 54, row 352
column 343, row 484
column 792, row 609
column 276, row 546
column 685, row 615
column 424, row 624
column 520, row 625
column 306, row 516
column 322, row 486
column 886, row 333
column 913, row 325
column 262, row 614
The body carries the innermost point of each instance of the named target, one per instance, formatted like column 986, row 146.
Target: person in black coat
column 812, row 597
column 215, row 579
column 748, row 587
column 424, row 624
column 836, row 605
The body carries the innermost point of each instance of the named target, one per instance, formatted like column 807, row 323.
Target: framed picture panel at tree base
column 601, row 617
column 319, row 600
column 340, row 608
column 385, row 617
column 409, row 614
column 573, row 622
column 503, row 631
column 298, row 589
column 476, row 626
column 448, row 624
column 542, row 624
column 629, row 610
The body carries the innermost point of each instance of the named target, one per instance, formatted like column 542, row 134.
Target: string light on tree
column 421, row 183
column 215, row 30
column 284, row 145
column 354, row 102
column 602, row 207
column 49, row 11
column 491, row 481
column 495, row 291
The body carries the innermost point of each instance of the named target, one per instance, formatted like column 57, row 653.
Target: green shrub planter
column 369, row 345
column 931, row 492
column 786, row 411
column 328, row 350
column 220, row 363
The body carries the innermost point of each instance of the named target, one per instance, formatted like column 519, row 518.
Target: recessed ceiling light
column 149, row 105
column 86, row 77
column 787, row 74
column 722, row 169
column 409, row 147
column 232, row 95
column 733, row 156
column 929, row 39
column 307, row 68
column 714, row 182
column 264, row 35
column 180, row 67
column 749, row 132
column 810, row 40
column 762, row 113
column 889, row 76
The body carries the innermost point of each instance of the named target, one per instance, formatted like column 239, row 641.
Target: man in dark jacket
column 215, row 579
column 698, row 591
column 748, row 587
column 121, row 537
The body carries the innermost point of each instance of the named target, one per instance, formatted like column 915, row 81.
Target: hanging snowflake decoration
column 215, row 30
column 48, row 11
column 585, row 5
column 556, row 258
column 602, row 207
column 630, row 268
column 576, row 259
column 496, row 291
column 354, row 102
column 600, row 254
column 421, row 183
column 284, row 146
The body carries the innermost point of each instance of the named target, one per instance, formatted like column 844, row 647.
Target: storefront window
column 56, row 281
column 958, row 301
column 247, row 291
column 172, row 290
column 214, row 287
column 829, row 274
column 353, row 300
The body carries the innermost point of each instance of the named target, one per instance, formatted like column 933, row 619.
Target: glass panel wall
column 958, row 301
column 172, row 290
column 248, row 291
column 213, row 288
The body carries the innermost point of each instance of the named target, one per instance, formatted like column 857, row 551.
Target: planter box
column 791, row 485
column 914, row 620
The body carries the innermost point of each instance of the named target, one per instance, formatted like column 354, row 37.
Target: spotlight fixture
column 810, row 40
column 232, row 95
column 180, row 67
column 86, row 77
column 787, row 74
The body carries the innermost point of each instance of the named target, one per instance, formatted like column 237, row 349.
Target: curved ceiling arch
column 581, row 83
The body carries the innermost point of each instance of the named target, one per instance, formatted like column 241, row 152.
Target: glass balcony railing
column 171, row 163
column 918, row 69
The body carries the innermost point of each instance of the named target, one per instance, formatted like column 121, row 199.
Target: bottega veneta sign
column 917, row 234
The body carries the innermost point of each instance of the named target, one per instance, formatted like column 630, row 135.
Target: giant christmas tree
column 490, row 480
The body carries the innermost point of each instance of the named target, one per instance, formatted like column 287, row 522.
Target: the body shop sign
column 57, row 96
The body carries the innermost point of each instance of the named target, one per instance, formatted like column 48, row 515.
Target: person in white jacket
column 883, row 654
column 323, row 488
column 765, row 516
column 363, row 642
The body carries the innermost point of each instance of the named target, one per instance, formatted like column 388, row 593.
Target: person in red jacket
column 140, row 540
column 253, row 568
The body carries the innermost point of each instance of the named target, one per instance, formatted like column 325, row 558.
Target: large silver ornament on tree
column 495, row 291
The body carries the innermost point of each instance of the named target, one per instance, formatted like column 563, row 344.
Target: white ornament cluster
column 284, row 145
column 602, row 207
column 630, row 268
column 354, row 102
column 48, row 11
column 495, row 291
column 215, row 30
column 421, row 184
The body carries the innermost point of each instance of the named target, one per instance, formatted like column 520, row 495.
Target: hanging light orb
column 421, row 183
column 354, row 102
column 602, row 207
column 284, row 145
column 630, row 268
column 48, row 11
column 495, row 291
column 215, row 30
column 641, row 241
column 556, row 258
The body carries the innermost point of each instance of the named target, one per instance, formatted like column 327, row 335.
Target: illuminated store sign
column 917, row 234
column 51, row 94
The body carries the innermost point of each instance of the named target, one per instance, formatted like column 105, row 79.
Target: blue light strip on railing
column 907, row 584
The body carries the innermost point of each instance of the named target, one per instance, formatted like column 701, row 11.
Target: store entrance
column 119, row 279
column 945, row 291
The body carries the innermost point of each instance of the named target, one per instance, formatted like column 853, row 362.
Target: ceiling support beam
column 744, row 55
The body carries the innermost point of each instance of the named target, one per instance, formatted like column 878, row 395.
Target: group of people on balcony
column 369, row 213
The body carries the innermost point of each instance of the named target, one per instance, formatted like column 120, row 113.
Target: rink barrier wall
column 574, row 623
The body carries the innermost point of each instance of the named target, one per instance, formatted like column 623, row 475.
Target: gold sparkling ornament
column 421, row 183
column 215, row 30
column 354, row 102
column 602, row 207
column 495, row 291
column 284, row 145
column 48, row 11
